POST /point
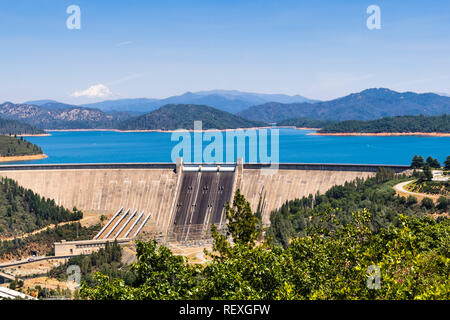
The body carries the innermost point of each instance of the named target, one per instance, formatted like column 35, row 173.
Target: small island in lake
column 14, row 148
column 18, row 149
column 391, row 126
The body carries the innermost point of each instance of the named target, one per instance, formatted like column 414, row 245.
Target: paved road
column 34, row 259
column 400, row 188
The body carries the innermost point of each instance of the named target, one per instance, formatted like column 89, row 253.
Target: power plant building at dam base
column 179, row 201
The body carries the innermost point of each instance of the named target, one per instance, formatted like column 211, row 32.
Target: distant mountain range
column 182, row 116
column 51, row 104
column 232, row 101
column 54, row 115
column 367, row 105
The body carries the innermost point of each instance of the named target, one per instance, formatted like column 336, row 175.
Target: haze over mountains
column 232, row 101
column 366, row 105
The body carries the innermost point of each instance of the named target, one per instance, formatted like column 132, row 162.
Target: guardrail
column 327, row 166
column 81, row 166
column 172, row 166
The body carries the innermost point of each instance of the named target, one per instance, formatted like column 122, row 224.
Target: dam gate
column 201, row 200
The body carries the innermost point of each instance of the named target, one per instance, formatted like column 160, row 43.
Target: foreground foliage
column 376, row 194
column 326, row 263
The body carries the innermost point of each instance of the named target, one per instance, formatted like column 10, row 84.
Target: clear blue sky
column 319, row 49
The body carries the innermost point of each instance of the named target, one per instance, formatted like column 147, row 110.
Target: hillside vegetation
column 375, row 194
column 12, row 146
column 440, row 124
column 41, row 243
column 305, row 123
column 13, row 127
column 182, row 116
column 430, row 187
column 107, row 260
column 23, row 211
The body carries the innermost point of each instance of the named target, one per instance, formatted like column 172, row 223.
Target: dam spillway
column 201, row 201
column 181, row 198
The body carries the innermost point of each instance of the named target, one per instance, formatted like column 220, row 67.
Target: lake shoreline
column 23, row 158
column 34, row 135
column 382, row 134
column 294, row 146
column 178, row 130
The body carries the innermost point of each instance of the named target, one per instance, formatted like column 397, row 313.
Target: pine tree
column 242, row 225
column 433, row 163
column 427, row 174
column 447, row 163
column 417, row 162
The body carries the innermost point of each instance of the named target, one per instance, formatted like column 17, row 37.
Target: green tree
column 242, row 224
column 427, row 174
column 417, row 162
column 159, row 275
column 443, row 203
column 427, row 203
column 411, row 200
column 447, row 163
column 433, row 163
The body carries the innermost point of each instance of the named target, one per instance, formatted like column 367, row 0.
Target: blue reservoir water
column 294, row 146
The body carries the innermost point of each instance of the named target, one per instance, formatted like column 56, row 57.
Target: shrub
column 427, row 203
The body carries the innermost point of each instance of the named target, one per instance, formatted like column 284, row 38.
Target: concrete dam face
column 180, row 200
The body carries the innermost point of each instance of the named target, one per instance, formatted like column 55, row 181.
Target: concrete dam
column 180, row 200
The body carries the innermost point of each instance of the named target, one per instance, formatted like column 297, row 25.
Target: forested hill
column 369, row 104
column 182, row 116
column 23, row 211
column 12, row 146
column 305, row 123
column 439, row 124
column 13, row 127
